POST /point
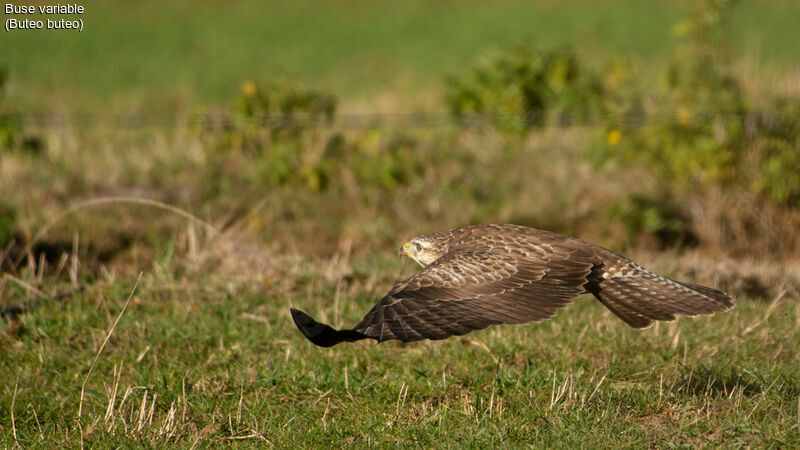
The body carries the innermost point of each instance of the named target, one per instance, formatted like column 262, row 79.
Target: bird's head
column 421, row 250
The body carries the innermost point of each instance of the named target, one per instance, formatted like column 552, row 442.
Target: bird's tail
column 321, row 334
column 644, row 296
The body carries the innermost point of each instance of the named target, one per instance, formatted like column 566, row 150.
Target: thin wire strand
column 354, row 121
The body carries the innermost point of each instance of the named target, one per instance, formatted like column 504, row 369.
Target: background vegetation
column 176, row 176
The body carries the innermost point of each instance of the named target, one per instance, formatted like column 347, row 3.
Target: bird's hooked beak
column 404, row 250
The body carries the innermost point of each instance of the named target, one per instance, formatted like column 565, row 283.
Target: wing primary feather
column 321, row 334
column 405, row 335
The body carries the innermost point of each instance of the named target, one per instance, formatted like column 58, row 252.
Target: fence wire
column 351, row 121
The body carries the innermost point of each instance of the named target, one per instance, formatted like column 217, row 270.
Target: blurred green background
column 156, row 55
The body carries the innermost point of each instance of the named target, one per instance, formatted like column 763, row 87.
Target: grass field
column 147, row 268
column 210, row 363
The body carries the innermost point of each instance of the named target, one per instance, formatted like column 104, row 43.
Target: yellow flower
column 684, row 116
column 249, row 88
column 613, row 137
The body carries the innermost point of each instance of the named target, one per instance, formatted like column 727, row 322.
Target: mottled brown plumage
column 484, row 275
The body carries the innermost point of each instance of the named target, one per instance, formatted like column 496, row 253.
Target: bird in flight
column 484, row 275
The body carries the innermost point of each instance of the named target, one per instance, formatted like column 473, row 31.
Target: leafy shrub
column 526, row 88
column 279, row 136
column 373, row 159
column 10, row 129
column 284, row 104
column 694, row 130
column 269, row 134
column 680, row 150
column 12, row 136
column 645, row 215
column 778, row 176
column 700, row 132
column 384, row 159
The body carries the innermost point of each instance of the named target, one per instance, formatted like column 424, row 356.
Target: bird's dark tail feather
column 321, row 334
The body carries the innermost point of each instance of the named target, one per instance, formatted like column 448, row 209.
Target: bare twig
column 183, row 390
column 13, row 403
column 25, row 285
column 770, row 308
column 595, row 391
column 760, row 398
column 485, row 347
column 38, row 424
column 240, row 438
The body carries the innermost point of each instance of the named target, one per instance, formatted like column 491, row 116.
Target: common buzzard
column 485, row 275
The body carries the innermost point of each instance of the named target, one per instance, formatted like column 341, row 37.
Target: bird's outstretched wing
column 467, row 290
